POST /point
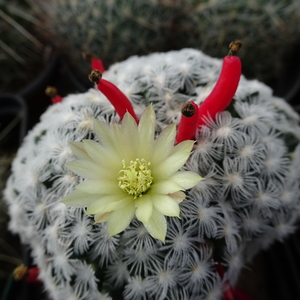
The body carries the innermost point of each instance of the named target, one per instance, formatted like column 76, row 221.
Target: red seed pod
column 120, row 102
column 97, row 63
column 117, row 99
column 226, row 86
column 56, row 99
column 224, row 90
column 32, row 275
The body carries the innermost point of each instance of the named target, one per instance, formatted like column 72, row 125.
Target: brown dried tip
column 188, row 110
column 234, row 46
column 88, row 56
column 51, row 91
column 95, row 76
column 20, row 272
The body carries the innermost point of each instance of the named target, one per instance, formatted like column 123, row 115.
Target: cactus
column 248, row 198
column 20, row 49
column 118, row 29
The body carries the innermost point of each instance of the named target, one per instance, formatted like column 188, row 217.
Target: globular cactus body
column 249, row 159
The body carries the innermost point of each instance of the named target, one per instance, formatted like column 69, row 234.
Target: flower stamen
column 136, row 178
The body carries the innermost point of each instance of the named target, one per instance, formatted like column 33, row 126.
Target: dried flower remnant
column 188, row 122
column 51, row 92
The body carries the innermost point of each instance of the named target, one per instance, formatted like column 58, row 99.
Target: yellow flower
column 130, row 173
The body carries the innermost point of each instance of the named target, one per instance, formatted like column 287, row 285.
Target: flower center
column 136, row 178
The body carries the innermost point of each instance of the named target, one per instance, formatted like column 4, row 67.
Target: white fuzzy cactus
column 249, row 158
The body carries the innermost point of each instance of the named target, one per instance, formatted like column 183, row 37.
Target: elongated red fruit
column 188, row 123
column 97, row 63
column 56, row 99
column 32, row 275
column 120, row 102
column 116, row 98
column 224, row 90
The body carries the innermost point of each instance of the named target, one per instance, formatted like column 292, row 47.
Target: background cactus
column 21, row 51
column 117, row 29
column 249, row 158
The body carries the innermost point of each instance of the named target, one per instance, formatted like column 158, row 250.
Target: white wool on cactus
column 248, row 158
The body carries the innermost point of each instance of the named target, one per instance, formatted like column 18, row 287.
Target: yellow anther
column 135, row 179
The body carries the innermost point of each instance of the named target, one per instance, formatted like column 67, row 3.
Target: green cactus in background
column 117, row 29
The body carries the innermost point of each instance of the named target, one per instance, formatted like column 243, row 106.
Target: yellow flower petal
column 100, row 218
column 170, row 165
column 144, row 208
column 103, row 133
column 85, row 168
column 178, row 196
column 164, row 144
column 98, row 153
column 128, row 132
column 95, row 207
column 157, row 225
column 146, row 130
column 130, row 128
column 125, row 149
column 186, row 179
column 120, row 219
column 110, row 136
column 107, row 204
column 103, row 187
column 166, row 205
column 185, row 146
column 165, row 187
column 79, row 199
column 78, row 150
